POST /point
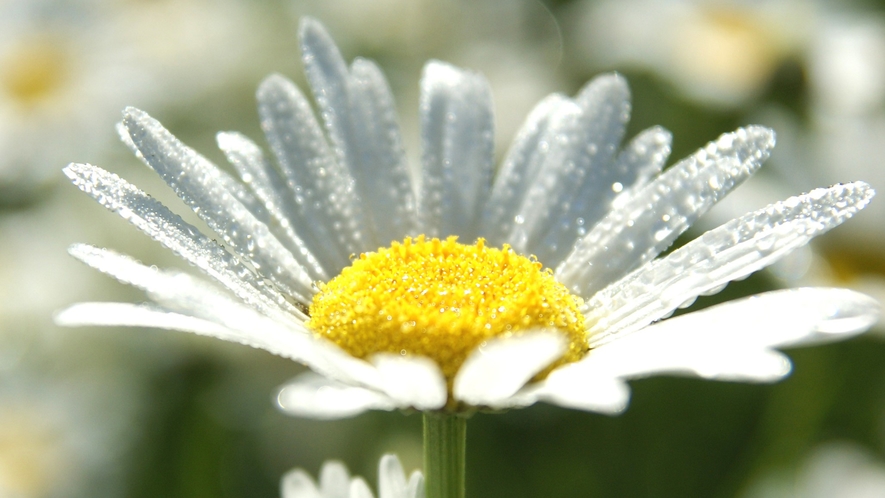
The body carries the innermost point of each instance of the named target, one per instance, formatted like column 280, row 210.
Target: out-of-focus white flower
column 67, row 66
column 721, row 52
column 60, row 77
column 433, row 324
column 60, row 438
column 846, row 66
column 186, row 47
column 844, row 138
column 834, row 470
column 335, row 482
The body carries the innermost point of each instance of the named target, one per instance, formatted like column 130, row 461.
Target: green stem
column 445, row 442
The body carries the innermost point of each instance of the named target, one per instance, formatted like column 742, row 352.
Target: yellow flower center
column 442, row 299
column 33, row 72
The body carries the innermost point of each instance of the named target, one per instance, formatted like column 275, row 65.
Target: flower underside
column 442, row 299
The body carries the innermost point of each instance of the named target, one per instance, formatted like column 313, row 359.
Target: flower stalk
column 445, row 444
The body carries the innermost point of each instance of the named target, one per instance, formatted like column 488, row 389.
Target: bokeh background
column 143, row 413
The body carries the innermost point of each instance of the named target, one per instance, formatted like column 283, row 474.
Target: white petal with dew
column 167, row 228
column 411, row 381
column 457, row 150
column 177, row 291
column 645, row 155
column 580, row 189
column 183, row 293
column 314, row 396
column 285, row 219
column 637, row 231
column 577, row 163
column 519, row 169
column 732, row 251
column 735, row 340
column 635, row 166
column 391, row 478
column 334, row 480
column 262, row 335
column 240, row 192
column 324, row 190
column 208, row 191
column 357, row 109
column 496, row 370
column 298, row 484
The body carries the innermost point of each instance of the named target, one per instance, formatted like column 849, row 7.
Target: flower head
column 336, row 257
column 336, row 482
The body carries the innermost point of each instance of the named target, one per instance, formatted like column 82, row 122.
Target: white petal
column 577, row 166
column 579, row 388
column 285, row 217
column 359, row 488
column 329, row 205
column 645, row 156
column 284, row 336
column 207, row 190
column 134, row 315
column 416, row 485
column 175, row 290
column 263, row 334
column 236, row 189
column 391, row 478
column 357, row 108
column 334, row 480
column 639, row 230
column 411, row 381
column 583, row 193
column 621, row 178
column 457, row 138
column 298, row 484
column 519, row 169
column 729, row 252
column 313, row 396
column 167, row 228
column 735, row 340
column 495, row 371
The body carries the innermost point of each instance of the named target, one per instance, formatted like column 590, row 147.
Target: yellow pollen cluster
column 33, row 72
column 442, row 299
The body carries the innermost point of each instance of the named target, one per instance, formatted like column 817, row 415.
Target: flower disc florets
column 442, row 299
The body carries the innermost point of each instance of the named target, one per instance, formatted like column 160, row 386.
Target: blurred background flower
column 149, row 413
column 833, row 470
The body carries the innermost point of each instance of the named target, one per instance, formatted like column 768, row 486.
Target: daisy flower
column 463, row 288
column 335, row 482
column 428, row 322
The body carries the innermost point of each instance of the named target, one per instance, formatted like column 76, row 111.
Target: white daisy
column 335, row 482
column 437, row 325
column 834, row 470
column 719, row 52
column 67, row 66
